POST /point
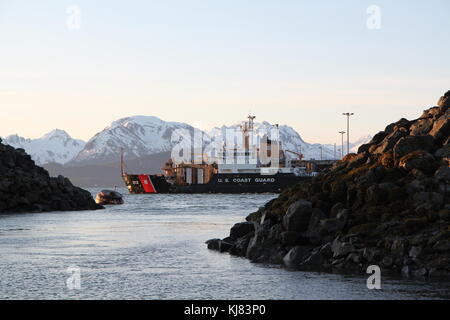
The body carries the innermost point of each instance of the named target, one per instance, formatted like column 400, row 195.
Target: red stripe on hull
column 146, row 183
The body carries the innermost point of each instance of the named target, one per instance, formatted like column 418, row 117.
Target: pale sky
column 299, row 63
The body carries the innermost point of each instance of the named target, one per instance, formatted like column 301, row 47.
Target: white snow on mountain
column 145, row 135
column 362, row 140
column 290, row 140
column 137, row 136
column 56, row 146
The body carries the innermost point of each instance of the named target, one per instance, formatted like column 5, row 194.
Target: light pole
column 321, row 157
column 342, row 148
column 348, row 114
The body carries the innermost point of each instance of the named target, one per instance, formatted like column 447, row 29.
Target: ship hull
column 220, row 183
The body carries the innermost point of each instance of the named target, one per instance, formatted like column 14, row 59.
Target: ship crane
column 299, row 155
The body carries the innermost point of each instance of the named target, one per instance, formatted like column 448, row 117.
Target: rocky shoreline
column 25, row 187
column 387, row 205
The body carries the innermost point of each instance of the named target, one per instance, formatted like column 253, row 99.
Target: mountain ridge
column 55, row 146
column 142, row 135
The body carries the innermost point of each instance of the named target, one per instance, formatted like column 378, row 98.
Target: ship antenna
column 122, row 171
column 250, row 122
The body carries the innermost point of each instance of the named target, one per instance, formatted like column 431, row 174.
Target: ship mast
column 122, row 170
column 250, row 121
column 246, row 129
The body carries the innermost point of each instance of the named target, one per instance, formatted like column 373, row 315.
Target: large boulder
column 317, row 259
column 241, row 229
column 290, row 238
column 388, row 205
column 443, row 152
column 240, row 245
column 295, row 256
column 213, row 244
column 412, row 143
column 297, row 216
column 422, row 127
column 444, row 101
column 441, row 128
column 443, row 174
column 26, row 187
column 390, row 141
column 314, row 232
column 419, row 160
column 341, row 249
column 262, row 249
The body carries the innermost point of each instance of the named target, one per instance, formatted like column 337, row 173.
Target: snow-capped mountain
column 362, row 140
column 56, row 146
column 290, row 139
column 137, row 136
column 141, row 136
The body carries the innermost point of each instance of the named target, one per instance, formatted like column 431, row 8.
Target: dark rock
column 415, row 252
column 442, row 235
column 326, row 251
column 442, row 245
column 389, row 142
column 314, row 231
column 399, row 247
column 353, row 257
column 225, row 245
column 388, row 205
column 406, row 271
column 412, row 143
column 433, row 199
column 443, row 152
column 438, row 273
column 291, row 238
column 297, row 216
column 387, row 262
column 275, row 232
column 420, row 273
column 295, row 256
column 441, row 128
column 213, row 244
column 378, row 137
column 314, row 262
column 372, row 255
column 444, row 101
column 240, row 245
column 376, row 195
column 414, row 187
column 26, row 187
column 341, row 249
column 261, row 249
column 336, row 208
column 444, row 214
column 422, row 127
column 419, row 160
column 241, row 229
column 331, row 226
column 364, row 147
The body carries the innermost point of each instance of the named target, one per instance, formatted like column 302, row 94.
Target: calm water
column 153, row 248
